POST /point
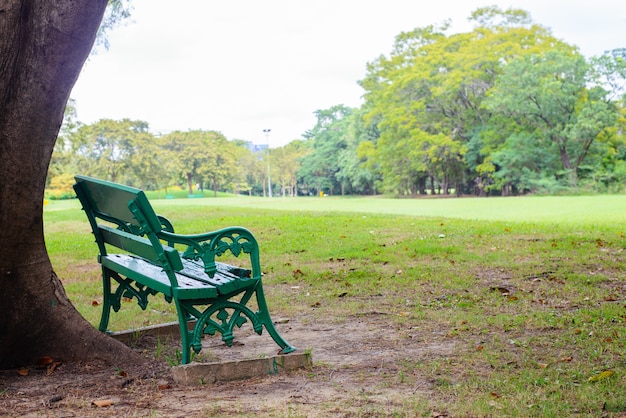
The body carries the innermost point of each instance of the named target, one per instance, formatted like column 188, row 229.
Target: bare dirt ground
column 356, row 365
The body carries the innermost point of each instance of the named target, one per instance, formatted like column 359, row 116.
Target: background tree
column 327, row 139
column 189, row 151
column 427, row 96
column 548, row 95
column 44, row 44
column 149, row 165
column 287, row 162
column 429, row 125
column 63, row 161
column 254, row 169
column 244, row 159
column 112, row 150
column 354, row 176
column 219, row 164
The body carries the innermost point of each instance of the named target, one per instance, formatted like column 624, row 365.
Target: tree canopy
column 505, row 108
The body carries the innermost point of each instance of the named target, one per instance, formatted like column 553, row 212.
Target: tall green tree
column 255, row 172
column 355, row 175
column 242, row 177
column 188, row 152
column 427, row 95
column 327, row 139
column 286, row 161
column 220, row 166
column 201, row 157
column 62, row 163
column 550, row 96
column 120, row 151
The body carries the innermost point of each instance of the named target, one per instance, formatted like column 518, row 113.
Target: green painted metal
column 212, row 295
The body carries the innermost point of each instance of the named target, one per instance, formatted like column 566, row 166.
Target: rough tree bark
column 43, row 45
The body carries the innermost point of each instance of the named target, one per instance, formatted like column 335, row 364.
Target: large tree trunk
column 43, row 45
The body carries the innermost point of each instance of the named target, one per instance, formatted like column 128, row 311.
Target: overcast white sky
column 242, row 66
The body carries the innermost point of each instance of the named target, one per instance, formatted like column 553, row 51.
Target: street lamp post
column 269, row 181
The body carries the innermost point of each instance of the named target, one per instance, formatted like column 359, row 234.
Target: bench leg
column 124, row 288
column 266, row 319
column 223, row 316
column 183, row 317
column 107, row 300
column 226, row 323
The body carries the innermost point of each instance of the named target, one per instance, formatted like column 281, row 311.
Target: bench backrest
column 136, row 225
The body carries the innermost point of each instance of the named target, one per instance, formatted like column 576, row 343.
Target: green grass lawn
column 586, row 211
column 531, row 289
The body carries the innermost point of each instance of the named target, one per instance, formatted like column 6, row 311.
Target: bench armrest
column 208, row 245
column 166, row 224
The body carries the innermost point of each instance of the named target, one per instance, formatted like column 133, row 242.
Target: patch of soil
column 363, row 366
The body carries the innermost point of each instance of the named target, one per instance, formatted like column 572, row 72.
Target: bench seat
column 193, row 283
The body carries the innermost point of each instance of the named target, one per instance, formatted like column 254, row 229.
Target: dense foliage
column 504, row 109
column 127, row 152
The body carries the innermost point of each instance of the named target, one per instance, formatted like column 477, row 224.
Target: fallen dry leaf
column 45, row 361
column 103, row 403
column 23, row 372
column 52, row 367
column 601, row 376
column 504, row 291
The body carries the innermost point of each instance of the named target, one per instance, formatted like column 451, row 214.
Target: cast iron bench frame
column 209, row 296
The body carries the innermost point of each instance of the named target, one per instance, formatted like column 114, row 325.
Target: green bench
column 209, row 296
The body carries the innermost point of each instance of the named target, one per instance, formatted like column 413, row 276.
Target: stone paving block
column 208, row 373
column 169, row 329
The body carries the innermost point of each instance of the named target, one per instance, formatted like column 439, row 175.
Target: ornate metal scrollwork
column 235, row 242
column 223, row 318
column 129, row 288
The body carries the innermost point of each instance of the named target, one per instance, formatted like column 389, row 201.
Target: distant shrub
column 60, row 187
